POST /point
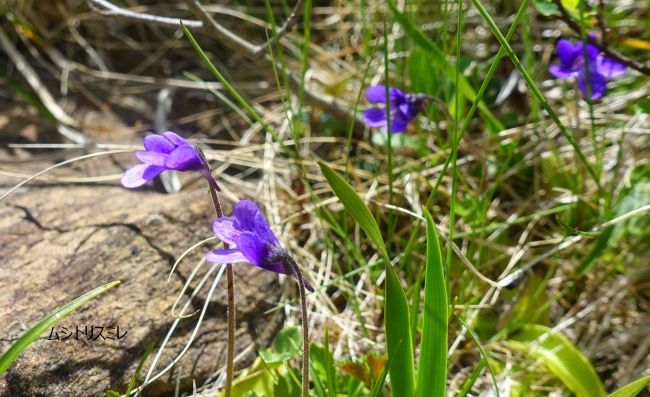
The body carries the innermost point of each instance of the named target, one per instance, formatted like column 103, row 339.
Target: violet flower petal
column 155, row 158
column 263, row 230
column 598, row 84
column 377, row 94
column 567, row 52
column 175, row 138
column 140, row 174
column 253, row 249
column 399, row 122
column 245, row 212
column 226, row 229
column 157, row 143
column 592, row 52
column 561, row 72
column 184, row 158
column 610, row 68
column 374, row 117
column 224, row 257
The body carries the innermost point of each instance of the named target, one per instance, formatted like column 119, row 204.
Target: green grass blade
column 469, row 383
column 221, row 97
column 533, row 87
column 632, row 388
column 561, row 357
column 484, row 355
column 37, row 329
column 134, row 379
column 396, row 311
column 220, row 76
column 389, row 131
column 441, row 61
column 329, row 367
column 432, row 367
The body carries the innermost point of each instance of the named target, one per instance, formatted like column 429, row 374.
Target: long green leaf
column 561, row 357
column 37, row 329
column 432, row 367
column 441, row 61
column 357, row 208
column 396, row 312
column 632, row 388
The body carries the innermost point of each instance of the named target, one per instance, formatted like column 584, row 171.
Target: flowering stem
column 292, row 268
column 230, row 280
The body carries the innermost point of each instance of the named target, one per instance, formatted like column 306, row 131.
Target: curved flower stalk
column 572, row 64
column 168, row 151
column 403, row 108
column 256, row 244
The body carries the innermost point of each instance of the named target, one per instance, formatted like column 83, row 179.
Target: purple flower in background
column 572, row 64
column 168, row 151
column 403, row 107
column 256, row 243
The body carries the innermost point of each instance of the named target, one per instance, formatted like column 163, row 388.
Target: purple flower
column 168, row 151
column 256, row 243
column 403, row 107
column 572, row 64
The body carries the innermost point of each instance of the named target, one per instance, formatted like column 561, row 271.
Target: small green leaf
column 561, row 357
column 260, row 378
column 112, row 393
column 547, row 8
column 396, row 312
column 432, row 367
column 270, row 357
column 286, row 345
column 37, row 329
column 288, row 340
column 632, row 388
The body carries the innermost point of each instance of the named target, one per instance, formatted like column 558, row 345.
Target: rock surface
column 60, row 241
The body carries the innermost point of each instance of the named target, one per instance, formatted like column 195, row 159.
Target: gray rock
column 58, row 242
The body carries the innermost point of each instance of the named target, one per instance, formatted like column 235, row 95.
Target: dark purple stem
column 230, row 280
column 292, row 268
column 601, row 22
